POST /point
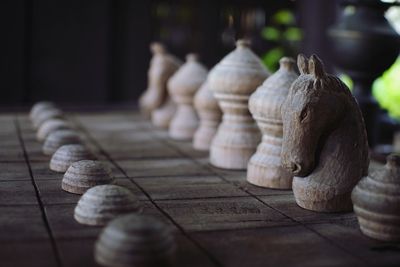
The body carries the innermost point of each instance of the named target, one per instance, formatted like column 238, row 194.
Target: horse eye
column 303, row 114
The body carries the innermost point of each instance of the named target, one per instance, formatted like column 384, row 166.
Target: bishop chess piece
column 232, row 81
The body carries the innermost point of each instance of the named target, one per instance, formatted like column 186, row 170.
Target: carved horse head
column 312, row 109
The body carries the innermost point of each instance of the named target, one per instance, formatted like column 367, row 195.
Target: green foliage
column 272, row 57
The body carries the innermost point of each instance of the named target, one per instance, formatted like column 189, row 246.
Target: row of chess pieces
column 299, row 128
column 128, row 238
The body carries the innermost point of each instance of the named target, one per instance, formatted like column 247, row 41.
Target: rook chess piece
column 232, row 81
column 135, row 240
column 182, row 86
column 68, row 154
column 210, row 116
column 102, row 203
column 84, row 174
column 324, row 139
column 162, row 66
column 376, row 200
column 265, row 168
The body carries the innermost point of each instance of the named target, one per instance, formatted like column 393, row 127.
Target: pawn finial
column 287, row 63
column 241, row 43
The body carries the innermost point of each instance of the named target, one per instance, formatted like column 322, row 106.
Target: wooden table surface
column 218, row 218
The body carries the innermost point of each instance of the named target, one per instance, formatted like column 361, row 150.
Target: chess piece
column 50, row 126
column 162, row 116
column 162, row 66
column 39, row 107
column 102, row 203
column 84, row 174
column 46, row 114
column 264, row 168
column 376, row 200
column 135, row 240
column 324, row 139
column 59, row 138
column 182, row 86
column 210, row 116
column 232, row 81
column 68, row 154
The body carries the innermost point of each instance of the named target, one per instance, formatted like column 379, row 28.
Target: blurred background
column 96, row 52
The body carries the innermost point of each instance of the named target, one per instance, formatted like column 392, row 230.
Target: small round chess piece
column 84, row 174
column 162, row 116
column 59, row 138
column 135, row 240
column 68, row 154
column 162, row 66
column 50, row 126
column 376, row 202
column 182, row 86
column 102, row 203
column 210, row 116
column 39, row 107
column 232, row 81
column 265, row 168
column 46, row 114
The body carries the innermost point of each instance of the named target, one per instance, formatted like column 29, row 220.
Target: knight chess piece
column 265, row 168
column 376, row 200
column 182, row 86
column 102, row 203
column 135, row 240
column 84, row 174
column 68, row 154
column 50, row 126
column 59, row 138
column 162, row 66
column 210, row 116
column 232, row 81
column 324, row 139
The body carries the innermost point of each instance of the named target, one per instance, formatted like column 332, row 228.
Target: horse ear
column 302, row 63
column 316, row 67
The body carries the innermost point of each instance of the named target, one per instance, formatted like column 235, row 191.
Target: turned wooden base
column 184, row 123
column 321, row 200
column 162, row 116
column 204, row 135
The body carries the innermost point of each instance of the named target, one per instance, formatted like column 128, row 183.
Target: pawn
column 68, row 154
column 59, row 138
column 135, row 240
column 39, row 107
column 182, row 86
column 84, row 174
column 376, row 202
column 162, row 67
column 264, row 168
column 46, row 114
column 50, row 126
column 210, row 116
column 232, row 81
column 162, row 116
column 102, row 203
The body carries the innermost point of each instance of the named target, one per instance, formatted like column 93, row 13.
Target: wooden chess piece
column 39, row 107
column 162, row 66
column 376, row 200
column 45, row 115
column 265, row 168
column 102, row 203
column 68, row 154
column 58, row 138
column 210, row 116
column 135, row 240
column 324, row 139
column 50, row 126
column 232, row 81
column 162, row 116
column 182, row 86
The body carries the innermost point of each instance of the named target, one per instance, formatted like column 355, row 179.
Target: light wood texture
column 265, row 168
column 210, row 116
column 84, row 174
column 324, row 139
column 232, row 81
column 68, row 154
column 162, row 66
column 162, row 116
column 135, row 240
column 50, row 126
column 182, row 86
column 102, row 203
column 376, row 200
column 59, row 138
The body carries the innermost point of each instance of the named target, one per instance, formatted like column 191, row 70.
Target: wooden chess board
column 218, row 218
